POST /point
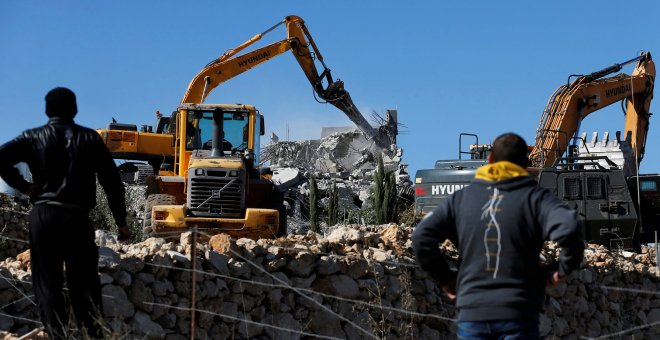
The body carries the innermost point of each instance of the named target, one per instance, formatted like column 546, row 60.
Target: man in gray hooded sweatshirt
column 499, row 223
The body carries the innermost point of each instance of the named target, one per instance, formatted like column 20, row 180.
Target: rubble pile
column 345, row 158
column 358, row 282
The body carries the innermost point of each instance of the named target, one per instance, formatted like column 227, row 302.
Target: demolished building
column 342, row 155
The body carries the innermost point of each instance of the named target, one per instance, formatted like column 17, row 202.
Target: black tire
column 151, row 201
column 282, row 229
column 276, row 202
column 134, row 173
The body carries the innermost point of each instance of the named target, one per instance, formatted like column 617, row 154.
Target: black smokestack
column 218, row 133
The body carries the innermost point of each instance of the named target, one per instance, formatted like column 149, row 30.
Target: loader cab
column 235, row 131
column 241, row 127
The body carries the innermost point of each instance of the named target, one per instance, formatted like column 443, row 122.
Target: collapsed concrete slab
column 342, row 156
column 285, row 178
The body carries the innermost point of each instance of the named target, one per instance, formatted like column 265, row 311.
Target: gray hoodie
column 499, row 228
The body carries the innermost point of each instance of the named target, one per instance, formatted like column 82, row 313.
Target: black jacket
column 64, row 159
column 499, row 228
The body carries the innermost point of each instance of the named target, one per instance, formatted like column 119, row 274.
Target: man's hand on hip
column 554, row 279
column 450, row 289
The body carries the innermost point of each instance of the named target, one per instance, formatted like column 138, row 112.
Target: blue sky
column 448, row 67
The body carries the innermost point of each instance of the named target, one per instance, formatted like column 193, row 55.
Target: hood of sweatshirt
column 505, row 175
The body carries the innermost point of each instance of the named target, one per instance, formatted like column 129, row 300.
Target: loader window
column 235, row 125
column 200, row 136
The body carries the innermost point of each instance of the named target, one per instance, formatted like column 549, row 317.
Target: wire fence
column 309, row 294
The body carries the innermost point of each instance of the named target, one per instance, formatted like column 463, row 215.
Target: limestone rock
column 285, row 321
column 116, row 303
column 345, row 235
column 108, row 258
column 24, row 258
column 339, row 285
column 328, row 265
column 145, row 327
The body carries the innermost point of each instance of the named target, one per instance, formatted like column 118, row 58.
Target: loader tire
column 282, row 229
column 151, row 201
column 276, row 202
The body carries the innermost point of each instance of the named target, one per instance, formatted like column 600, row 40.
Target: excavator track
column 134, row 173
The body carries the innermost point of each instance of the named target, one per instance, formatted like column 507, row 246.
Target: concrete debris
column 285, row 178
column 274, row 138
column 342, row 156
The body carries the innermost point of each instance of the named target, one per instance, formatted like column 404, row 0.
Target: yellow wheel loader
column 214, row 182
column 218, row 186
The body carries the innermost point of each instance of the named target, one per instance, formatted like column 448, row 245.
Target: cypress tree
column 385, row 195
column 333, row 205
column 313, row 212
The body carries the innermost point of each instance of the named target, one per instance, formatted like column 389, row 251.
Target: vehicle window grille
column 572, row 189
column 595, row 187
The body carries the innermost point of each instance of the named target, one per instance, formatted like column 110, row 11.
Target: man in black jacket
column 64, row 159
column 499, row 223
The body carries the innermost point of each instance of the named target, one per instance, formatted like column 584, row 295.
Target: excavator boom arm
column 299, row 41
column 217, row 73
column 571, row 103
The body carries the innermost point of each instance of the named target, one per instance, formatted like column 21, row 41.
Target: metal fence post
column 193, row 283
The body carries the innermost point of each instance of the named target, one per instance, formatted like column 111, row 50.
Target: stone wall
column 358, row 282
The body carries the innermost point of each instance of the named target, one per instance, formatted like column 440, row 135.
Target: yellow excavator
column 571, row 103
column 214, row 181
column 143, row 151
column 618, row 207
column 304, row 49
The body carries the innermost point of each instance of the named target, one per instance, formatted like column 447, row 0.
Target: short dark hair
column 61, row 102
column 510, row 147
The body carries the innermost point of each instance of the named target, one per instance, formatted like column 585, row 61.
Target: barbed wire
column 329, row 296
column 631, row 290
column 246, row 321
column 300, row 291
column 299, row 249
column 21, row 318
column 14, row 239
column 624, row 331
column 18, row 300
column 20, row 291
column 14, row 211
column 297, row 290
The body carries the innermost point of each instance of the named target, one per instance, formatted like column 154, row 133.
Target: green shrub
column 102, row 218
